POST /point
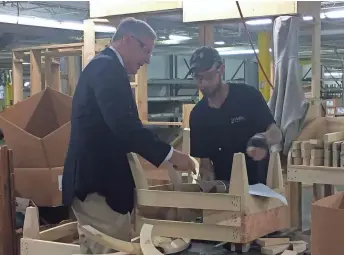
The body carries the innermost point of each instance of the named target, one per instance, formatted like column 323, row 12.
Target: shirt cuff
column 169, row 154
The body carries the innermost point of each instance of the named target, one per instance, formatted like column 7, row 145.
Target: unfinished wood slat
column 287, row 252
column 272, row 241
column 296, row 145
column 328, row 155
column 8, row 240
column 305, row 145
column 316, row 162
column 336, row 150
column 58, row 232
column 89, row 42
column 35, row 71
column 142, row 93
column 316, row 174
column 296, row 153
column 306, row 161
column 316, row 143
column 40, row 247
column 306, row 153
column 316, row 153
column 333, row 137
column 297, row 161
column 17, row 76
column 273, row 250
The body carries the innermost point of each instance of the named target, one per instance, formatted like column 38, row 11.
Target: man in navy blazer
column 105, row 126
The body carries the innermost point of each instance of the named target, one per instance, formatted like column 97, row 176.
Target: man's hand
column 257, row 147
column 182, row 162
column 206, row 175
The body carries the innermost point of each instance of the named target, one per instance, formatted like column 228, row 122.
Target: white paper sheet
column 264, row 191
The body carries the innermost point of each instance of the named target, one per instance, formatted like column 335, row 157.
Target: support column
column 141, row 81
column 56, row 75
column 89, row 41
column 264, row 43
column 315, row 58
column 35, row 72
column 17, row 77
column 72, row 74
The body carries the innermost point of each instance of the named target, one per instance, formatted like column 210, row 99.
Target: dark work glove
column 257, row 147
column 258, row 141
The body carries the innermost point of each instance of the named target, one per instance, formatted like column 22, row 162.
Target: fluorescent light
column 50, row 23
column 163, row 37
column 256, row 22
column 8, row 19
column 105, row 29
column 334, row 74
column 236, row 52
column 179, row 37
column 307, row 18
column 26, row 63
column 332, row 14
column 219, row 43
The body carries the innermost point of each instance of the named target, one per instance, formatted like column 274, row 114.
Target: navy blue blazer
column 105, row 126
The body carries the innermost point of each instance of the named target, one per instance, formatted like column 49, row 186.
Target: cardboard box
column 327, row 225
column 37, row 130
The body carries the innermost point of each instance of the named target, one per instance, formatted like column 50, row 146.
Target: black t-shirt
column 219, row 133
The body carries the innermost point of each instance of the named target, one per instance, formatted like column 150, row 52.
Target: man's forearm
column 206, row 168
column 273, row 135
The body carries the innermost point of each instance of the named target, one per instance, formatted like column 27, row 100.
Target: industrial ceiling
column 228, row 34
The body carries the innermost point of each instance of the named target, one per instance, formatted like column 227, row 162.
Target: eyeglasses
column 142, row 45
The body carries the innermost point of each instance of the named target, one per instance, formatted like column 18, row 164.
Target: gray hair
column 134, row 27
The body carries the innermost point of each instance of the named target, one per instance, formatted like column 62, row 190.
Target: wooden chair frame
column 236, row 217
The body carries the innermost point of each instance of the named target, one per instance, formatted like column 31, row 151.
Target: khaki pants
column 94, row 211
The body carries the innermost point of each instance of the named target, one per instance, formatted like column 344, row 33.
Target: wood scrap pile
column 273, row 246
column 316, row 152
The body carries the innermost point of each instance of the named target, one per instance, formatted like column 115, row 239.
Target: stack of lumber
column 273, row 246
column 327, row 152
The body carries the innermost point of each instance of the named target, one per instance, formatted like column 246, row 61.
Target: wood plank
column 17, row 76
column 272, row 241
column 35, row 72
column 333, row 137
column 316, row 153
column 316, row 143
column 89, row 42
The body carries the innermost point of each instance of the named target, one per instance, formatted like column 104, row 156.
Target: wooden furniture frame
column 51, row 241
column 45, row 68
column 317, row 174
column 236, row 217
column 8, row 236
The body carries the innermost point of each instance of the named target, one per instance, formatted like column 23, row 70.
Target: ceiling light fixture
column 257, row 22
column 219, row 43
column 179, row 37
column 50, row 23
column 237, row 52
column 308, row 18
column 332, row 14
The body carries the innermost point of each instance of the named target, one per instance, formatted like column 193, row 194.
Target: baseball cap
column 203, row 59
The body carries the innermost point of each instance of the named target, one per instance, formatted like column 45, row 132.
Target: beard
column 211, row 92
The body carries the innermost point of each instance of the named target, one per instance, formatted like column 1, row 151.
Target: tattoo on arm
column 273, row 135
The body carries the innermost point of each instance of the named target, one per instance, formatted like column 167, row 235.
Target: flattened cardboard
column 37, row 129
column 327, row 225
column 41, row 185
